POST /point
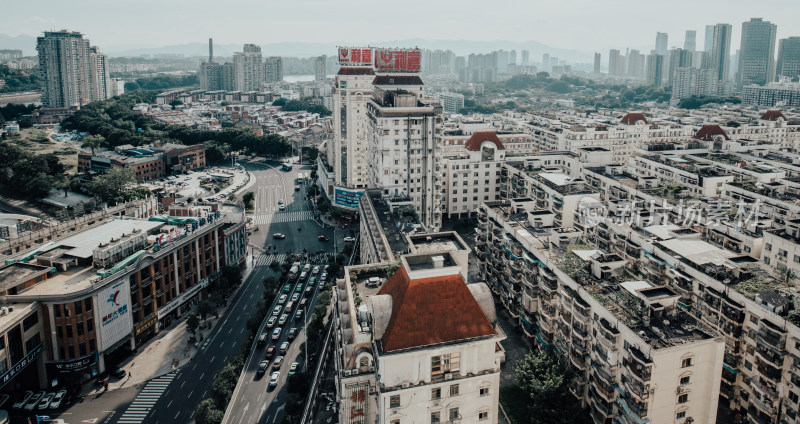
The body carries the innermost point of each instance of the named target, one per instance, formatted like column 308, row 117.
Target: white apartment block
column 404, row 145
column 637, row 355
column 403, row 354
column 348, row 153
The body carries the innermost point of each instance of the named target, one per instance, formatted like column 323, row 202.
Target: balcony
column 765, row 407
column 757, row 417
column 639, row 371
column 602, row 389
column 770, row 354
column 578, row 360
column 768, row 370
column 635, row 409
column 772, row 336
column 636, row 388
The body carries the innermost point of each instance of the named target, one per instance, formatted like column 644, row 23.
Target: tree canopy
column 545, row 379
column 24, row 174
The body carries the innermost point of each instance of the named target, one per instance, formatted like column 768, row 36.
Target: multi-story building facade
column 320, row 65
column 721, row 51
column 452, row 102
column 404, row 136
column 783, row 93
column 352, row 89
column 403, row 353
column 789, row 57
column 273, row 69
column 74, row 73
column 146, row 162
column 113, row 286
column 248, row 68
column 757, row 53
column 637, row 355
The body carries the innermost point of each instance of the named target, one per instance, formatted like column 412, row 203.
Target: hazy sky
column 570, row 24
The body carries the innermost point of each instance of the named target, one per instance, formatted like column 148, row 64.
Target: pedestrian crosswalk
column 266, row 260
column 269, row 218
column 138, row 410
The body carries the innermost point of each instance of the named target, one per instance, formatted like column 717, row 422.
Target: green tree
column 112, row 185
column 192, row 323
column 204, row 308
column 248, row 199
column 280, row 102
column 93, row 142
column 175, row 103
column 545, row 379
column 207, row 413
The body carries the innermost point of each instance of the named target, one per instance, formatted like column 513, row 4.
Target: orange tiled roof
column 474, row 142
column 772, row 115
column 632, row 118
column 707, row 132
column 429, row 311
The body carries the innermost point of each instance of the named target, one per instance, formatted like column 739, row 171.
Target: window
column 454, row 415
column 446, row 363
column 30, row 321
column 436, row 417
column 394, row 401
column 680, row 415
column 683, row 398
column 436, row 393
column 79, row 327
column 57, row 309
column 90, row 324
column 69, row 330
column 793, row 397
column 484, row 391
column 395, row 422
column 483, row 416
column 454, row 390
column 685, row 380
column 79, row 307
column 687, row 362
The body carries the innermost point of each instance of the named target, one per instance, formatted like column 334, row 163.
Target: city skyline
column 559, row 27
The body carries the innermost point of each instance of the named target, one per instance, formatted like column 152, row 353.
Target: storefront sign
column 19, row 366
column 113, row 313
column 145, row 325
column 56, row 367
column 188, row 294
column 345, row 198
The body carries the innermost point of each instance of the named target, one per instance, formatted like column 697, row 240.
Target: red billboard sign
column 349, row 56
column 397, row 60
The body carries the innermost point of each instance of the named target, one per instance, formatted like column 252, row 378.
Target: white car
column 46, row 399
column 349, row 239
column 282, row 299
column 23, row 400
column 33, row 401
column 58, row 399
column 316, row 270
column 273, row 379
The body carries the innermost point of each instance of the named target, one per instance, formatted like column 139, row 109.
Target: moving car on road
column 262, row 368
column 282, row 299
column 273, row 379
column 292, row 333
column 276, row 366
column 293, row 368
column 279, row 236
column 284, row 347
column 282, row 320
column 315, row 270
column 349, row 239
column 276, row 334
column 262, row 339
column 270, row 352
column 323, row 238
column 271, row 321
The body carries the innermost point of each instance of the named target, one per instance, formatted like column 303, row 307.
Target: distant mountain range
column 297, row 49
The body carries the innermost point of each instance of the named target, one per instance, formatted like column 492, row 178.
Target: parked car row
column 41, row 400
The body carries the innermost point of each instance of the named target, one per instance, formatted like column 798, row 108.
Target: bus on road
column 286, row 167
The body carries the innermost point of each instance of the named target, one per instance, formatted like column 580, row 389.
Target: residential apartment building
column 637, row 355
column 404, row 144
column 74, row 73
column 757, row 53
column 248, row 69
column 405, row 354
column 352, row 89
column 783, row 93
column 273, row 69
column 789, row 57
column 452, row 102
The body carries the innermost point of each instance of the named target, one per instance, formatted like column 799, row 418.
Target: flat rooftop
column 698, row 251
column 17, row 273
column 82, row 245
column 17, row 312
column 437, row 242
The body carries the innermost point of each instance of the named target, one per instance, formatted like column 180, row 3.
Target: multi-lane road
column 175, row 397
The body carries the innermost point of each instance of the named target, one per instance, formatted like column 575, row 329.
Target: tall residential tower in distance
column 661, row 43
column 597, row 58
column 74, row 73
column 721, row 50
column 690, row 42
column 319, row 68
column 757, row 53
column 273, row 69
column 248, row 68
column 789, row 57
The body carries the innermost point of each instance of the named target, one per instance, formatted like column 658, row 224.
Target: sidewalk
column 168, row 350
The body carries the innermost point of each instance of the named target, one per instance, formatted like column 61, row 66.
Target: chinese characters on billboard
column 384, row 60
column 397, row 60
column 346, row 198
column 113, row 313
column 350, row 56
